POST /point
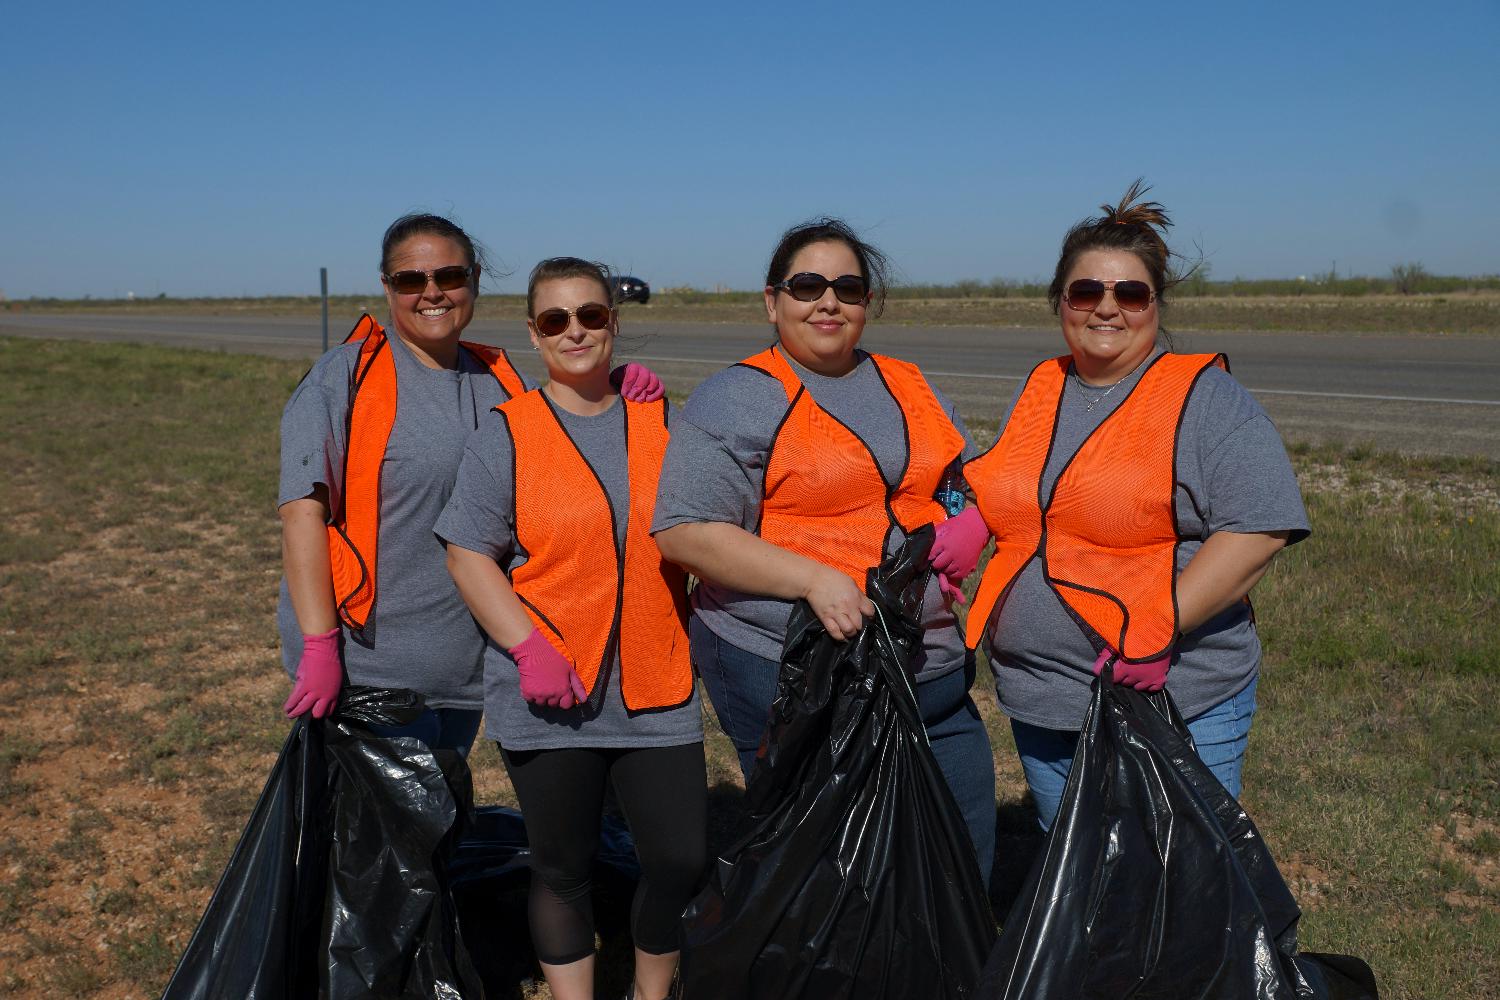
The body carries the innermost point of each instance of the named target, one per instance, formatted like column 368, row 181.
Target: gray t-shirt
column 480, row 517
column 1232, row 475
column 715, row 470
column 421, row 635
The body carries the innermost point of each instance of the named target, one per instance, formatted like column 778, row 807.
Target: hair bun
column 1149, row 214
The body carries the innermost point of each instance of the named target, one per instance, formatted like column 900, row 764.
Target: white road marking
column 1268, row 392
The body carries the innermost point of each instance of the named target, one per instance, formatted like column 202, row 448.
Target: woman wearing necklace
column 1136, row 496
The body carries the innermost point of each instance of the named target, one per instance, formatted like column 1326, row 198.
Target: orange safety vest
column 576, row 584
column 824, row 496
column 354, row 528
column 1107, row 535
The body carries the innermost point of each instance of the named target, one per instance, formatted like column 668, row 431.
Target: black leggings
column 663, row 792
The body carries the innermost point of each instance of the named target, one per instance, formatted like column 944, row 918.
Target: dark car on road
column 629, row 289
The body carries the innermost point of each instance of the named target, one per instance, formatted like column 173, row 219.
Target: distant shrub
column 1409, row 277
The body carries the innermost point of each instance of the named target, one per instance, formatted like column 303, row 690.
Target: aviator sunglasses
column 591, row 316
column 1085, row 294
column 415, row 282
column 850, row 289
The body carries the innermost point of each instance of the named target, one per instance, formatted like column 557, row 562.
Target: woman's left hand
column 638, row 383
column 1148, row 676
column 960, row 539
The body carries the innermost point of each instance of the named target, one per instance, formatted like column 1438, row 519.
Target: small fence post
column 323, row 277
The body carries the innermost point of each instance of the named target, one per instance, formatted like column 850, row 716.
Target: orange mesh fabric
column 1112, row 531
column 1005, row 481
column 354, row 529
column 499, row 364
column 824, row 497
column 1110, row 538
column 656, row 669
column 572, row 582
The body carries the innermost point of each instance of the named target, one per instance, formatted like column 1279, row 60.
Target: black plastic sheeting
column 1154, row 883
column 856, row 877
column 338, row 887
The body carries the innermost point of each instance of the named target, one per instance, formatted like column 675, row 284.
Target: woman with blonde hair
column 587, row 674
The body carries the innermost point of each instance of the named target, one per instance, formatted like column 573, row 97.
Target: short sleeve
column 715, row 462
column 971, row 450
column 480, row 513
column 1242, row 479
column 312, row 429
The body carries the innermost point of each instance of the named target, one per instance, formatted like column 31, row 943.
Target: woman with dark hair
column 366, row 597
column 792, row 473
column 1136, row 496
column 587, row 674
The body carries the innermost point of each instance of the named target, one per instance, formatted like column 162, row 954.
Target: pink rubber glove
column 950, row 592
column 320, row 675
column 1148, row 676
column 547, row 678
column 638, row 383
column 960, row 539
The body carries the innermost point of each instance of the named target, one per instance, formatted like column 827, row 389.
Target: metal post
column 323, row 277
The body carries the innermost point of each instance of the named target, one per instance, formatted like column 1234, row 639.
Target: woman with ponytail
column 1136, row 495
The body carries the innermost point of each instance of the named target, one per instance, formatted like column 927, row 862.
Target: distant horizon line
column 963, row 288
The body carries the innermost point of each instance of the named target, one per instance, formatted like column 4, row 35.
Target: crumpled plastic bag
column 338, row 887
column 856, row 877
column 1154, row 883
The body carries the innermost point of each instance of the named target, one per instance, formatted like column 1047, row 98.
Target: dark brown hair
column 873, row 266
column 1135, row 227
column 562, row 268
column 426, row 224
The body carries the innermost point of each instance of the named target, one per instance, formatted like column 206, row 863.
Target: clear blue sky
column 220, row 149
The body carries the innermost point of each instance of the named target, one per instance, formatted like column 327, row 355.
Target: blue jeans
column 1220, row 734
column 741, row 687
column 440, row 729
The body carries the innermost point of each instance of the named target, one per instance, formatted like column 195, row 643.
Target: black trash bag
column 338, row 886
column 1153, row 882
column 857, row 877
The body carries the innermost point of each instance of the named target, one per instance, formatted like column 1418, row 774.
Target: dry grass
column 140, row 684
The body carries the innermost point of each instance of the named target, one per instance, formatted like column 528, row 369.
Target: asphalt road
column 1421, row 394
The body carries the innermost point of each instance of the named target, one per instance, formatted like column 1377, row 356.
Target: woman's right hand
column 320, row 677
column 547, row 678
column 840, row 605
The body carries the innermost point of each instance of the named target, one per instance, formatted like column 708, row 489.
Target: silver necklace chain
column 1084, row 388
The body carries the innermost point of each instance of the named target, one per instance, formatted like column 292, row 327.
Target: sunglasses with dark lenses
column 850, row 289
column 415, row 282
column 591, row 316
column 1085, row 294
